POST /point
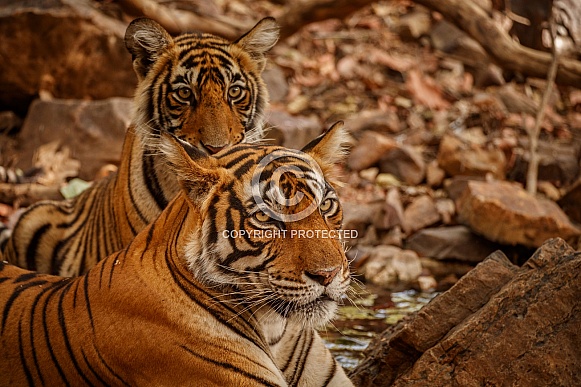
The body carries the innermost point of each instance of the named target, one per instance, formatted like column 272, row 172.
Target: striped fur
column 185, row 305
column 201, row 88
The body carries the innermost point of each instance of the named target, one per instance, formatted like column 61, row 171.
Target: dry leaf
column 56, row 162
column 425, row 90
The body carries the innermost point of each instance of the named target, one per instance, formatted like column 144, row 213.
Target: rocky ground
column 434, row 182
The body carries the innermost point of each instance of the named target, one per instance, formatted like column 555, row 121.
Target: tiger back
column 201, row 88
column 219, row 290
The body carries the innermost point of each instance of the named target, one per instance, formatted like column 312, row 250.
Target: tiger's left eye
column 261, row 216
column 326, row 205
column 234, row 92
column 184, row 93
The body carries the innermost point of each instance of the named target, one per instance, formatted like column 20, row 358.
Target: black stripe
column 332, row 372
column 65, row 336
column 47, row 336
column 23, row 356
column 150, row 179
column 15, row 294
column 31, row 251
column 228, row 366
column 303, row 359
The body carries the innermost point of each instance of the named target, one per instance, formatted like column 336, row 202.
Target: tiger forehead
column 290, row 170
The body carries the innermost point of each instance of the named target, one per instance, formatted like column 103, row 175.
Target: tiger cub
column 202, row 89
column 221, row 289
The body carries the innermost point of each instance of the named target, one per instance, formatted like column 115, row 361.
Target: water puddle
column 373, row 312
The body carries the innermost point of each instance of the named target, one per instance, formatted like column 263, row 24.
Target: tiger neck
column 143, row 177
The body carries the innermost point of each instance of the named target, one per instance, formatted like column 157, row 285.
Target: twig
column 533, row 168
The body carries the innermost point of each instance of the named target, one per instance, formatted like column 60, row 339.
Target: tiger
column 203, row 89
column 203, row 295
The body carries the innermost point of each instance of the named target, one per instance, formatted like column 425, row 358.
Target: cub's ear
column 145, row 39
column 261, row 38
column 197, row 173
column 329, row 147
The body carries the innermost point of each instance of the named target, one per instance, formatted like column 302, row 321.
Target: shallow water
column 373, row 312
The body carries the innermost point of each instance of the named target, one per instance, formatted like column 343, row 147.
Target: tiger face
column 203, row 89
column 270, row 221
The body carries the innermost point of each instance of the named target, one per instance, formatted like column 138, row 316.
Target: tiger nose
column 324, row 277
column 214, row 149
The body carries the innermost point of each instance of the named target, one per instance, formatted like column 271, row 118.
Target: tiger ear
column 329, row 148
column 197, row 173
column 261, row 38
column 145, row 39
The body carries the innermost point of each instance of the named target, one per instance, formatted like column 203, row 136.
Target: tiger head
column 269, row 224
column 203, row 89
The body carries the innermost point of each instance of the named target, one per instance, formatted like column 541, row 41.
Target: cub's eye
column 326, row 205
column 234, row 92
column 184, row 93
column 261, row 217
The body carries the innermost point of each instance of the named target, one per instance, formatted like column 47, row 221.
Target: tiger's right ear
column 261, row 38
column 197, row 173
column 145, row 39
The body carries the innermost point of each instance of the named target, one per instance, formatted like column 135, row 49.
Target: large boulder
column 93, row 131
column 64, row 48
column 504, row 212
column 459, row 156
column 500, row 323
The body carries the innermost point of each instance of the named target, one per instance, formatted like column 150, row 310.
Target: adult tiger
column 199, row 87
column 188, row 302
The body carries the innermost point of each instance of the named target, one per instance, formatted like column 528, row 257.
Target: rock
column 420, row 213
column 446, row 273
column 450, row 243
column 414, row 25
column 387, row 180
column 500, row 323
column 291, row 131
column 571, row 201
column 276, row 82
column 396, row 350
column 67, row 49
column 358, row 216
column 558, row 162
column 434, row 174
column 374, row 120
column 505, row 213
column 369, row 174
column 458, row 157
column 405, row 163
column 92, row 130
column 371, row 148
column 394, row 208
column 391, row 267
column 447, row 210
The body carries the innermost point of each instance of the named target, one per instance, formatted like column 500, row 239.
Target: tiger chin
column 212, row 293
column 201, row 88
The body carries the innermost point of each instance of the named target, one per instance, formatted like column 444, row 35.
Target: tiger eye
column 326, row 205
column 184, row 93
column 234, row 92
column 261, row 216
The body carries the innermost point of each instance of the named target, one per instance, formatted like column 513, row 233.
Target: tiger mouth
column 286, row 308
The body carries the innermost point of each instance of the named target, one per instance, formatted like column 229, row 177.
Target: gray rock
column 92, row 130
